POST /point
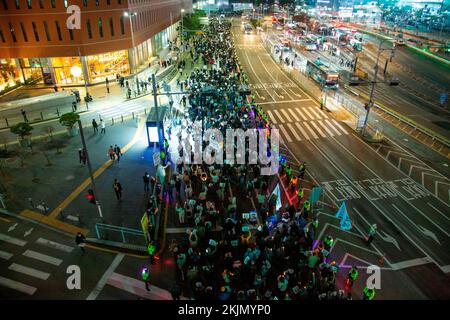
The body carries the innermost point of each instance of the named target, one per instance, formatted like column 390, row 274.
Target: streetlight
column 76, row 72
column 133, row 14
column 182, row 29
column 374, row 81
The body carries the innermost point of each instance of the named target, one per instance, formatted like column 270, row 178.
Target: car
column 354, row 80
column 400, row 42
column 394, row 81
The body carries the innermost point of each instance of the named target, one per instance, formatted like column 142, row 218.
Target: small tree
column 69, row 119
column 22, row 129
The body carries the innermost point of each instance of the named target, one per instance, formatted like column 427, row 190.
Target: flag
column 277, row 193
column 342, row 212
column 346, row 224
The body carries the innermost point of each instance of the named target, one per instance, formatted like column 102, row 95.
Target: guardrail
column 119, row 234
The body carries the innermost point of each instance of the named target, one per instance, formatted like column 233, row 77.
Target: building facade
column 69, row 41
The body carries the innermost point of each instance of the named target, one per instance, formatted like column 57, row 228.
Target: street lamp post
column 374, row 81
column 182, row 31
column 84, row 79
column 130, row 16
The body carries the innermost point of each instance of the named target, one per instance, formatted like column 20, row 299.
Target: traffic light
column 91, row 196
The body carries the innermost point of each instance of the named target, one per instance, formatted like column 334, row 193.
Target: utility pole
column 97, row 202
column 84, row 79
column 133, row 51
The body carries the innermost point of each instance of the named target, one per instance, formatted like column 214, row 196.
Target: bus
column 322, row 74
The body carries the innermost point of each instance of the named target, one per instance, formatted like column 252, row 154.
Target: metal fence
column 120, row 234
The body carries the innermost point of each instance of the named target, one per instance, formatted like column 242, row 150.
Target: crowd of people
column 270, row 253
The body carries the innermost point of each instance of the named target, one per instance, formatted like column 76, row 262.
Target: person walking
column 111, row 153
column 175, row 291
column 117, row 189
column 146, row 179
column 80, row 240
column 102, row 126
column 181, row 213
column 302, row 170
column 351, row 277
column 118, row 152
column 372, row 233
column 24, row 115
column 95, row 125
column 368, row 294
column 82, row 154
column 146, row 277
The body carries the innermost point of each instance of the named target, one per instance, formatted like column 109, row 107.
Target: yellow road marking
column 4, row 219
column 115, row 251
column 97, row 173
column 53, row 222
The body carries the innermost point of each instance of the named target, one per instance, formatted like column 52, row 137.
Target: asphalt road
column 414, row 225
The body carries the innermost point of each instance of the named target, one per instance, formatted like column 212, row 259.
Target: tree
column 22, row 129
column 69, row 119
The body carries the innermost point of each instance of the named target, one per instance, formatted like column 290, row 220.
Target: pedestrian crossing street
column 305, row 123
column 27, row 262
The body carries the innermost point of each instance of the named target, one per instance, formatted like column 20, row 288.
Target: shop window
column 53, row 3
column 24, row 33
column 41, row 4
column 100, row 27
column 5, row 5
column 88, row 26
column 47, row 33
column 13, row 33
column 36, row 35
column 122, row 25
column 58, row 30
column 17, row 4
column 2, row 36
column 111, row 26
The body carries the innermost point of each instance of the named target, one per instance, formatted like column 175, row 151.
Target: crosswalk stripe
column 42, row 257
column 339, row 126
column 301, row 114
column 293, row 114
column 314, row 111
column 5, row 255
column 279, row 115
column 326, row 129
column 19, row 286
column 54, row 245
column 285, row 133
column 312, row 123
column 274, row 120
column 29, row 271
column 323, row 113
column 285, row 114
column 333, row 127
column 294, row 132
column 9, row 239
column 299, row 126
column 309, row 115
column 310, row 130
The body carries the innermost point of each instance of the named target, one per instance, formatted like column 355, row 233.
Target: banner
column 277, row 192
column 342, row 211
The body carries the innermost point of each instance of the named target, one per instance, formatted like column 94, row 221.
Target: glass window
column 85, row 3
column 5, row 4
column 24, row 33
column 47, row 33
column 66, row 4
column 71, row 34
column 58, row 30
column 29, row 4
column 108, row 2
column 53, row 3
column 2, row 36
column 41, row 4
column 111, row 26
column 100, row 27
column 36, row 35
column 122, row 25
column 13, row 33
column 119, row 1
column 17, row 4
column 88, row 25
column 97, row 3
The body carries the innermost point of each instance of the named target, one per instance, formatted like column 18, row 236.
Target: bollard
column 7, row 124
column 133, row 114
column 112, row 120
column 31, row 202
column 145, row 111
column 122, row 118
column 57, row 111
column 61, row 213
column 42, row 116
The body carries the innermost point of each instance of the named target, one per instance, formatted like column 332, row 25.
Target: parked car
column 354, row 80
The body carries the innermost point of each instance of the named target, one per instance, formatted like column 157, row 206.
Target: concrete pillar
column 131, row 60
column 84, row 66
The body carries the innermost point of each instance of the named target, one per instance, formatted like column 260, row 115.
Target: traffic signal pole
column 97, row 203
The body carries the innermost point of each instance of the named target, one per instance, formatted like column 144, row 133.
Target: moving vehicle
column 400, row 42
column 310, row 45
column 323, row 75
column 248, row 29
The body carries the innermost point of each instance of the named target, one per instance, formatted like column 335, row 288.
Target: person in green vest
column 372, row 233
column 300, row 194
column 352, row 275
column 306, row 209
column 162, row 154
column 315, row 225
column 151, row 248
column 145, row 275
column 368, row 293
column 328, row 242
column 289, row 173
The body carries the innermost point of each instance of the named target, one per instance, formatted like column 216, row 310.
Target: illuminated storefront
column 62, row 70
column 108, row 65
column 9, row 74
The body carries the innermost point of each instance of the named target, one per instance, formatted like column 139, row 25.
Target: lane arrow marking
column 12, row 227
column 27, row 233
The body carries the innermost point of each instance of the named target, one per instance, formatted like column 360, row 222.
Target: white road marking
column 323, row 113
column 28, row 232
column 332, row 127
column 326, row 129
column 54, row 245
column 13, row 227
column 284, row 101
column 411, row 263
column 318, row 129
column 17, row 242
column 293, row 114
column 19, row 286
column 272, row 117
column 305, row 110
column 301, row 114
column 285, row 114
column 29, row 271
column 285, row 133
column 5, row 255
column 442, row 214
column 339, row 126
column 42, row 257
column 279, row 116
column 314, row 111
column 310, row 130
column 101, row 283
column 73, row 218
column 294, row 132
column 299, row 126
